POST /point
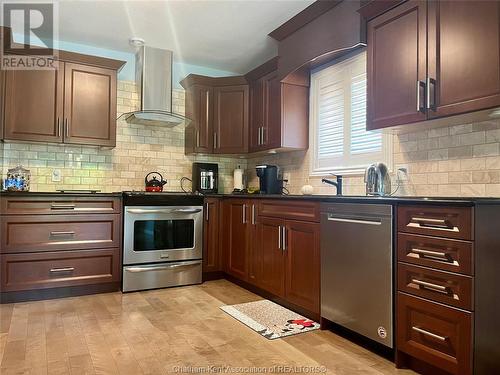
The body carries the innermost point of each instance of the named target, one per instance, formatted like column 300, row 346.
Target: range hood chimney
column 153, row 69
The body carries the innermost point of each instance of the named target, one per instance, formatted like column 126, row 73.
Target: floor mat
column 270, row 319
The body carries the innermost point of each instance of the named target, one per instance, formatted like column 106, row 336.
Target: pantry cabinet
column 74, row 104
column 428, row 60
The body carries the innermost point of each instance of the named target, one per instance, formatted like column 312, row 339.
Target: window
column 340, row 142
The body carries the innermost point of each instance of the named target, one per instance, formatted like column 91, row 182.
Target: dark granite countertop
column 53, row 193
column 463, row 201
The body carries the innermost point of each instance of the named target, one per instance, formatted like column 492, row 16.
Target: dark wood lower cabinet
column 211, row 238
column 30, row 271
column 302, row 270
column 54, row 246
column 270, row 258
column 436, row 334
column 235, row 222
column 279, row 256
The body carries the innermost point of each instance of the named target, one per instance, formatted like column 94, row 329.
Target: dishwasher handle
column 354, row 220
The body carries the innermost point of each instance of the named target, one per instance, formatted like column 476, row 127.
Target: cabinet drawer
column 451, row 222
column 59, row 232
column 59, row 205
column 433, row 333
column 289, row 209
column 59, row 269
column 440, row 253
column 439, row 286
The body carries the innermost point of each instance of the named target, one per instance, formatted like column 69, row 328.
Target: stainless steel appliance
column 377, row 180
column 205, row 178
column 356, row 268
column 268, row 179
column 162, row 240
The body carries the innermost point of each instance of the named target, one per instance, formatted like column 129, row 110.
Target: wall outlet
column 56, row 175
column 286, row 176
column 403, row 172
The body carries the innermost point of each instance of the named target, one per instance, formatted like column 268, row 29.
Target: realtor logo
column 30, row 43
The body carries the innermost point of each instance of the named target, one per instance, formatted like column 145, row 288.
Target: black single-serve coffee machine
column 205, row 178
column 269, row 183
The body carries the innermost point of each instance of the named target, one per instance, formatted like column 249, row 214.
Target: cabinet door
column 272, row 111
column 236, row 237
column 199, row 133
column 34, row 105
column 254, row 245
column 231, row 119
column 464, row 56
column 211, row 248
column 89, row 105
column 256, row 115
column 272, row 271
column 302, row 264
column 396, row 68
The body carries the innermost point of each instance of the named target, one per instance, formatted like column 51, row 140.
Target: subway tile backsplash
column 460, row 160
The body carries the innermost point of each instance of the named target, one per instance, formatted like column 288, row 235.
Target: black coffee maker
column 268, row 179
column 205, row 178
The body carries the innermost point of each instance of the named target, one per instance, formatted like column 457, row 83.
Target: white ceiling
column 229, row 35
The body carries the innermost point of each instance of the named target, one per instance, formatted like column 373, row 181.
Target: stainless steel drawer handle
column 430, row 334
column 436, row 224
column 63, row 233
column 62, row 206
column 279, row 236
column 425, row 284
column 62, row 269
column 354, row 221
column 436, row 254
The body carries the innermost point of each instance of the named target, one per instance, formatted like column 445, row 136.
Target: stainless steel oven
column 162, row 240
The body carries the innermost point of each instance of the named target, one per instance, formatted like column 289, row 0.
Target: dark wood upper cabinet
column 89, row 105
column 397, row 66
column 279, row 111
column 75, row 103
column 231, row 119
column 34, row 105
column 464, row 56
column 218, row 113
column 433, row 59
column 198, row 138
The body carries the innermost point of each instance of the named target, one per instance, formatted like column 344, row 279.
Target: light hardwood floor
column 153, row 332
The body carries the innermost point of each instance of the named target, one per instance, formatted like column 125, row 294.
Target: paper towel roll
column 238, row 178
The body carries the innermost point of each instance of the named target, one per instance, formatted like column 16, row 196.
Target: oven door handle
column 187, row 210
column 164, row 211
column 162, row 268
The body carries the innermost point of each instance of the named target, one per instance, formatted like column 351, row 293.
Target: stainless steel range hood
column 153, row 68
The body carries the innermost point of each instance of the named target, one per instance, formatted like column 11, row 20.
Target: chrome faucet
column 337, row 184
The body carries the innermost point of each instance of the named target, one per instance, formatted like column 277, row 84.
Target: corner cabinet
column 74, row 104
column 433, row 59
column 279, row 111
column 217, row 109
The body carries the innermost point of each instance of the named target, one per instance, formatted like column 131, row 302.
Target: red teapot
column 154, row 184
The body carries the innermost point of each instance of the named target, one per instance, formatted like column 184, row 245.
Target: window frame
column 348, row 166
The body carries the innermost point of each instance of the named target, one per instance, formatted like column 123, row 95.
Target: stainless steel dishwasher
column 356, row 268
